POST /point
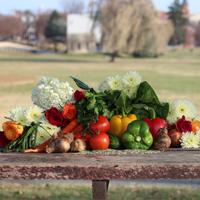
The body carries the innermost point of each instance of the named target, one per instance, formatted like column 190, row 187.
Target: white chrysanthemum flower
column 50, row 92
column 197, row 117
column 114, row 82
column 190, row 140
column 172, row 117
column 198, row 136
column 179, row 108
column 45, row 131
column 130, row 91
column 131, row 79
column 18, row 115
column 186, row 108
column 104, row 86
column 34, row 114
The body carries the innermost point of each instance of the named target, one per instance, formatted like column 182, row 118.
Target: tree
column 73, row 6
column 40, row 25
column 198, row 35
column 11, row 26
column 179, row 21
column 55, row 30
column 133, row 27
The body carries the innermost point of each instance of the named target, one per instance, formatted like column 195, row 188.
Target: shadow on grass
column 39, row 60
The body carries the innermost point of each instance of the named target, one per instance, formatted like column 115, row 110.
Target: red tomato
column 102, row 125
column 78, row 136
column 155, row 125
column 100, row 141
column 85, row 137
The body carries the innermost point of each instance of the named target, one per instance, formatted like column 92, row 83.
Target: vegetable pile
column 124, row 112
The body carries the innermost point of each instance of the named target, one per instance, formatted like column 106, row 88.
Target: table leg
column 99, row 189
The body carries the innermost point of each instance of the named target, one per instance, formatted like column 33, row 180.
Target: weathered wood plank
column 99, row 189
column 135, row 165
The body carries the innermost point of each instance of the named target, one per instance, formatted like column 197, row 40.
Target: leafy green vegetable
column 91, row 107
column 145, row 103
column 146, row 95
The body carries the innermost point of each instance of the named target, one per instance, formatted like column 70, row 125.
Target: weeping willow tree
column 134, row 27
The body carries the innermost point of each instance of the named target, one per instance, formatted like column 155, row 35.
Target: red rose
column 183, row 125
column 79, row 95
column 55, row 117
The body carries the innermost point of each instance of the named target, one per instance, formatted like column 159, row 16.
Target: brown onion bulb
column 175, row 138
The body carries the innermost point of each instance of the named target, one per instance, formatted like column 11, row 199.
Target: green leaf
column 146, row 94
column 161, row 109
column 123, row 103
column 81, row 84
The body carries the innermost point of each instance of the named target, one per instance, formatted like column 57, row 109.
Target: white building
column 195, row 18
column 83, row 34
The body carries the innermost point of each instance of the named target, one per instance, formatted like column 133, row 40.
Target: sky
column 7, row 6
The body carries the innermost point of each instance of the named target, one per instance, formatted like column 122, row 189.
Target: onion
column 78, row 145
column 58, row 145
column 162, row 140
column 175, row 138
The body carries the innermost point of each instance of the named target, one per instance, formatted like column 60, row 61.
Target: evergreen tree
column 179, row 21
column 55, row 30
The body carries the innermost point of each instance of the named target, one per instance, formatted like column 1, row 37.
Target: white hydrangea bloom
column 18, row 115
column 190, row 140
column 34, row 114
column 131, row 79
column 179, row 108
column 114, row 82
column 45, row 131
column 50, row 92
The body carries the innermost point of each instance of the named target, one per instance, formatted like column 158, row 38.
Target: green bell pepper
column 137, row 136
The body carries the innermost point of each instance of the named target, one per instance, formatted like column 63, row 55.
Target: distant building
column 195, row 18
column 28, row 19
column 83, row 35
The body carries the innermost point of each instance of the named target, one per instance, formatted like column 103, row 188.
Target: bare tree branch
column 73, row 6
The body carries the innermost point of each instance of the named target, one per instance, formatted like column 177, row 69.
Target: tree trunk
column 55, row 46
column 113, row 56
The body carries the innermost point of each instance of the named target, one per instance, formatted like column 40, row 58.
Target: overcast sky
column 7, row 6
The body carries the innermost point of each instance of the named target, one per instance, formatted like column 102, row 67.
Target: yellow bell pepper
column 119, row 124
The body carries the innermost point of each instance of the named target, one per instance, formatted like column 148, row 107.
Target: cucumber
column 115, row 142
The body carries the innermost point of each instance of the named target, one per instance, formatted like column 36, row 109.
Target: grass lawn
column 73, row 192
column 174, row 75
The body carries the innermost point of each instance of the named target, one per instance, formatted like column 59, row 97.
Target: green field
column 175, row 75
column 83, row 192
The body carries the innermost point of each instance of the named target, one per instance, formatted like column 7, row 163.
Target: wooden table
column 101, row 167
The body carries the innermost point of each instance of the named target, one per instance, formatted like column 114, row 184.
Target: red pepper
column 69, row 111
